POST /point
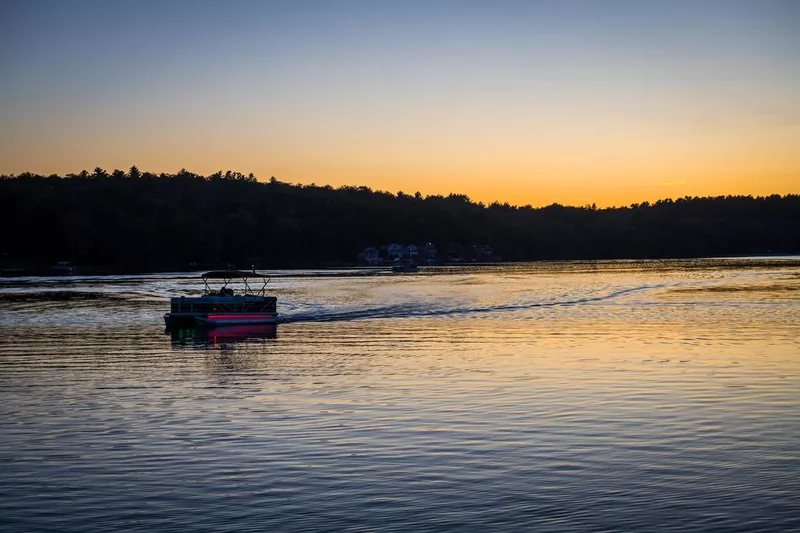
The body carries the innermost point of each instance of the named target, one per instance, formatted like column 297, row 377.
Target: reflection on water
column 616, row 396
column 216, row 336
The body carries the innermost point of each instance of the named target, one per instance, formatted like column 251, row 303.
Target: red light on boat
column 238, row 316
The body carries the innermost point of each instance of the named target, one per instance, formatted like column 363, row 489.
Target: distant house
column 416, row 254
column 429, row 254
column 482, row 253
column 455, row 253
column 370, row 256
column 396, row 252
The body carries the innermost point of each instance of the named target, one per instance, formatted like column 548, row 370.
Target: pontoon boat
column 223, row 306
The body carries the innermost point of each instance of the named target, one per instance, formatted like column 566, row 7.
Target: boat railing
column 228, row 276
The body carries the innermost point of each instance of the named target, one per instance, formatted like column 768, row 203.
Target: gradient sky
column 530, row 102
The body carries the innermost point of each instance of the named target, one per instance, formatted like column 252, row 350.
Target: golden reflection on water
column 511, row 398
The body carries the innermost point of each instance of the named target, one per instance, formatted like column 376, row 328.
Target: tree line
column 133, row 221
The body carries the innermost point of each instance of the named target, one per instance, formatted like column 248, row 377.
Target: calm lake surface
column 602, row 396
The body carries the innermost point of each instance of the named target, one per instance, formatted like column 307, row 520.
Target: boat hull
column 235, row 319
column 219, row 319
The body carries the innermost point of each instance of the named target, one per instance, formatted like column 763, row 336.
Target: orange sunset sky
column 533, row 102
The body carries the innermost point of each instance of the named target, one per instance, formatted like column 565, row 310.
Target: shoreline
column 366, row 270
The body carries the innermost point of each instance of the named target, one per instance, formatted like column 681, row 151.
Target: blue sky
column 524, row 101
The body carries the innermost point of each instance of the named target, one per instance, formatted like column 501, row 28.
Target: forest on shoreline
column 133, row 221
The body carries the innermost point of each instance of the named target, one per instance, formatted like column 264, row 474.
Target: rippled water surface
column 611, row 396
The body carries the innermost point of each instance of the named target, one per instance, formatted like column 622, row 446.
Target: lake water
column 602, row 396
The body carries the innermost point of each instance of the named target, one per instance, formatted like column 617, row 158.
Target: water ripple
column 617, row 398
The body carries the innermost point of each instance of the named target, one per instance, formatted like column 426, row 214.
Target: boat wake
column 423, row 309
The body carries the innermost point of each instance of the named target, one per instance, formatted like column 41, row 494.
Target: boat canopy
column 231, row 274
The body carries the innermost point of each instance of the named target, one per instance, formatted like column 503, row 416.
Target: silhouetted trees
column 140, row 221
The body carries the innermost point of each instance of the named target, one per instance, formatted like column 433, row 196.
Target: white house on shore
column 387, row 254
column 370, row 256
